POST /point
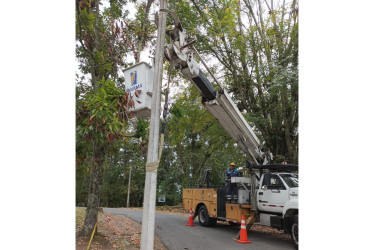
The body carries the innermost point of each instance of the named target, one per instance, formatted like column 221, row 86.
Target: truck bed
column 214, row 200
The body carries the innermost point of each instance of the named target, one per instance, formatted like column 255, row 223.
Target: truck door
column 272, row 194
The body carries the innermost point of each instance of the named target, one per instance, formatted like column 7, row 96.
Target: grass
column 80, row 213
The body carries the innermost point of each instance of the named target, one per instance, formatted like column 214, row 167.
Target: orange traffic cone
column 190, row 219
column 243, row 232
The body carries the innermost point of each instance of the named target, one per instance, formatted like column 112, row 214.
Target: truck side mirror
column 264, row 187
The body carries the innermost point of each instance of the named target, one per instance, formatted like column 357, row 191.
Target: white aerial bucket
column 139, row 78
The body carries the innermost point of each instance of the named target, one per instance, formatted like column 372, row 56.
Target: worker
column 232, row 190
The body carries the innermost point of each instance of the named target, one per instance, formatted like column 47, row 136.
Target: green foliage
column 256, row 44
column 81, row 184
column 195, row 142
column 258, row 62
column 107, row 107
column 113, row 190
column 103, row 40
column 142, row 129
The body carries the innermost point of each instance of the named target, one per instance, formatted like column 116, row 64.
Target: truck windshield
column 292, row 180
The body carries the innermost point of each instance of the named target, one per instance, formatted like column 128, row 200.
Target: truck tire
column 204, row 218
column 295, row 231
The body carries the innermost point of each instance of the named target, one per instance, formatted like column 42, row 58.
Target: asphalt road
column 175, row 235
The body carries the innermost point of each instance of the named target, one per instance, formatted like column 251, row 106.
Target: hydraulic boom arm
column 181, row 55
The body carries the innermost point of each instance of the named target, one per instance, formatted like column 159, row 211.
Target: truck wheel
column 204, row 218
column 295, row 231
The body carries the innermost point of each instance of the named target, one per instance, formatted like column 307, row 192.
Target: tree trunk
column 96, row 170
column 93, row 202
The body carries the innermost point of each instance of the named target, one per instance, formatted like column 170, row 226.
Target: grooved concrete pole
column 148, row 221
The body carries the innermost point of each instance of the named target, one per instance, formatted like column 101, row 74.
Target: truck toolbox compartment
column 234, row 212
column 188, row 204
column 207, row 196
column 276, row 222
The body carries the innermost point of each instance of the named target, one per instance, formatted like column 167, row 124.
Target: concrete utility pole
column 148, row 221
column 128, row 190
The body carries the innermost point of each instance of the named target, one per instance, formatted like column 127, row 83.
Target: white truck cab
column 277, row 193
column 276, row 190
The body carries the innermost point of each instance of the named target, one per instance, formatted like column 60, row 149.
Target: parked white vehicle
column 276, row 193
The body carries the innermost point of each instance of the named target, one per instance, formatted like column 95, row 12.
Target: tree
column 129, row 151
column 100, row 119
column 256, row 45
column 194, row 142
column 105, row 37
column 141, row 29
column 101, row 101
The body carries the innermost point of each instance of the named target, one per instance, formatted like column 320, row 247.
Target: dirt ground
column 113, row 232
column 272, row 232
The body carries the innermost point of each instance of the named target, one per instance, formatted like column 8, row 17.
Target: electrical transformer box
column 243, row 196
column 139, row 84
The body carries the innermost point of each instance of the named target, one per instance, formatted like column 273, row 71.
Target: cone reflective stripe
column 190, row 219
column 243, row 232
column 242, row 225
